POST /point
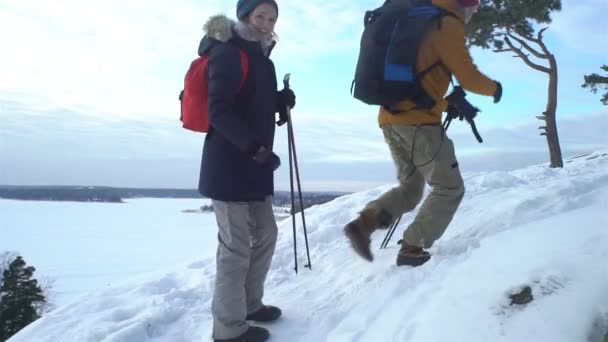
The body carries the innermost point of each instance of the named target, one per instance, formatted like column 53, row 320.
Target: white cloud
column 313, row 28
column 334, row 152
column 127, row 58
column 123, row 58
column 582, row 25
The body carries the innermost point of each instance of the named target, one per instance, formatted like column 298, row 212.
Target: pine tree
column 20, row 298
column 597, row 82
column 515, row 26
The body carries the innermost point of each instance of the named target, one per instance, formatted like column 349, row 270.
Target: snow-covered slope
column 546, row 228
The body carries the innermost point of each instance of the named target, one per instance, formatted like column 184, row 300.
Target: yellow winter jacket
column 447, row 45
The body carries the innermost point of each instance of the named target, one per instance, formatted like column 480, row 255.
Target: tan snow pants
column 422, row 154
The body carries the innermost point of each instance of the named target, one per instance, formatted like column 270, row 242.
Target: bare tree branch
column 541, row 43
column 528, row 47
column 541, row 32
column 529, row 38
column 525, row 58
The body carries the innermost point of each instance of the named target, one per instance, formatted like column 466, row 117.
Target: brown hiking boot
column 360, row 230
column 412, row 255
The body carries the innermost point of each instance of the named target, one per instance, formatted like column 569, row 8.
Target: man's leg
column 263, row 241
column 408, row 194
column 392, row 204
column 434, row 157
column 229, row 305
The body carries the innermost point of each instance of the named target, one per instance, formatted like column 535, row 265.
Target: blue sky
column 120, row 63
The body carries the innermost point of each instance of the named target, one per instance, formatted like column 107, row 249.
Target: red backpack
column 194, row 112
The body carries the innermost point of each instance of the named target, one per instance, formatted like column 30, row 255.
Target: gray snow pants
column 247, row 238
column 422, row 154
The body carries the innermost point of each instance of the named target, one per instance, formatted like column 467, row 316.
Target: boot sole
column 358, row 243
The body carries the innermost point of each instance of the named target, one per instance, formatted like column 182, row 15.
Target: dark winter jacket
column 240, row 121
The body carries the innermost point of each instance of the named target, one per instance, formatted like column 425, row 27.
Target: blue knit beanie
column 244, row 7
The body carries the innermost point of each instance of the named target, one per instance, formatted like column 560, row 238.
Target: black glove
column 498, row 93
column 285, row 98
column 453, row 112
column 283, row 117
column 267, row 158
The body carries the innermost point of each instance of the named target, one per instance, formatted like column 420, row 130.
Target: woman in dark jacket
column 238, row 164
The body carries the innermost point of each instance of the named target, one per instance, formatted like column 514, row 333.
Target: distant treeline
column 117, row 195
column 89, row 193
column 283, row 199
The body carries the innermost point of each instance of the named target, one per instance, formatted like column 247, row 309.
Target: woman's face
column 263, row 18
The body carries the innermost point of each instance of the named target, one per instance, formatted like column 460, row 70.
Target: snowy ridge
column 546, row 228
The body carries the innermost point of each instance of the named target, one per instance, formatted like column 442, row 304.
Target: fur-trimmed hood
column 218, row 28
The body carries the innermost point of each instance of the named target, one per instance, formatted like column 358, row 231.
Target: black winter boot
column 253, row 334
column 267, row 313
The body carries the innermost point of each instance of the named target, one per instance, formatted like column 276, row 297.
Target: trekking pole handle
column 286, row 84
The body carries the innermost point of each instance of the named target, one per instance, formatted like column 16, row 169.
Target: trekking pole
column 293, row 203
column 292, row 148
column 389, row 234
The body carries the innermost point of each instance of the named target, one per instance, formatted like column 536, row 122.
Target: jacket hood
column 450, row 6
column 221, row 29
column 218, row 28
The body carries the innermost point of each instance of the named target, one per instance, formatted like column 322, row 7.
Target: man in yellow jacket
column 419, row 146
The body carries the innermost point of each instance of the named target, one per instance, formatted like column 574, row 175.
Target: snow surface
column 546, row 228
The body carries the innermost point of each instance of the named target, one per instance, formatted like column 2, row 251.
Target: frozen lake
column 84, row 247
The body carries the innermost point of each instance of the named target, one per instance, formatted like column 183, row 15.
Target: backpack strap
column 244, row 67
column 424, row 101
column 443, row 13
column 423, row 73
column 245, row 93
